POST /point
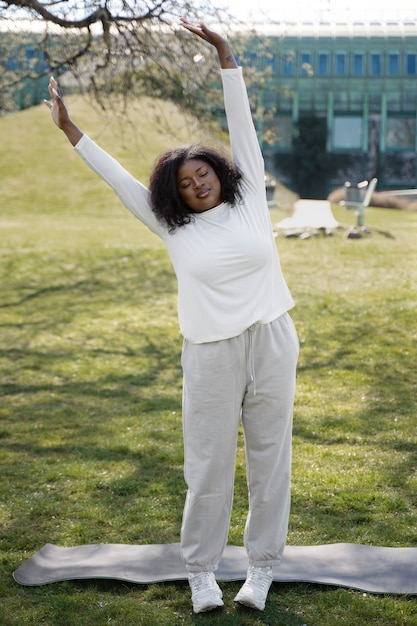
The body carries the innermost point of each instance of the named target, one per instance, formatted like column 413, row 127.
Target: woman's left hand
column 200, row 29
column 227, row 60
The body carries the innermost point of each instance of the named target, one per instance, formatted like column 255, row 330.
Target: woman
column 240, row 346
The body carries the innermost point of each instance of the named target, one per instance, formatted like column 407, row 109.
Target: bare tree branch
column 107, row 46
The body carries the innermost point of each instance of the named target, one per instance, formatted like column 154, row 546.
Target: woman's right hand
column 60, row 113
column 57, row 107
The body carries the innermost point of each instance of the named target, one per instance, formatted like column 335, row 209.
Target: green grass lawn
column 90, row 431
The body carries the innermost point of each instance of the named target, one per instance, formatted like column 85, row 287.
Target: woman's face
column 198, row 185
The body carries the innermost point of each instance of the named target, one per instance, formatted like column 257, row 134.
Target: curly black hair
column 166, row 201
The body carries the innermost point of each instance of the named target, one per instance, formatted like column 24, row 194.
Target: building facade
column 356, row 82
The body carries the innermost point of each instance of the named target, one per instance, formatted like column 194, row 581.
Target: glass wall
column 347, row 132
column 401, row 133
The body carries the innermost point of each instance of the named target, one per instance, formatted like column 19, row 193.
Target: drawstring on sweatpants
column 251, row 332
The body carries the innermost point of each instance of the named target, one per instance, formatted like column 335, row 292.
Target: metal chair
column 357, row 199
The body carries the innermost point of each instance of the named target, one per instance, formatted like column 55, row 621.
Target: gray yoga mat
column 367, row 568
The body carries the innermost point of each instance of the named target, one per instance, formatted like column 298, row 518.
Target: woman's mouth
column 203, row 193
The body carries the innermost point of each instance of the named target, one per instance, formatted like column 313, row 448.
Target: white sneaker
column 256, row 587
column 206, row 594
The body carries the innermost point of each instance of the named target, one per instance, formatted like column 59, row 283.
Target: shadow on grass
column 356, row 404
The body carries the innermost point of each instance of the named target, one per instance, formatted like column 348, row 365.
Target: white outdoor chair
column 308, row 216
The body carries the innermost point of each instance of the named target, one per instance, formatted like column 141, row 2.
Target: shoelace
column 259, row 579
column 202, row 581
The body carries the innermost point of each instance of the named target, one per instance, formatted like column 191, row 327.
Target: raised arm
column 133, row 194
column 226, row 58
column 60, row 114
column 244, row 142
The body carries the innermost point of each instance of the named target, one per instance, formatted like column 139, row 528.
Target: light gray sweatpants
column 249, row 377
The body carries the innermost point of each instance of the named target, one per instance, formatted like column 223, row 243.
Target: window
column 347, row 132
column 305, row 66
column 393, row 64
column 288, row 64
column 340, row 64
column 323, row 64
column 401, row 133
column 357, row 64
column 376, row 65
column 411, row 64
column 283, row 130
column 270, row 62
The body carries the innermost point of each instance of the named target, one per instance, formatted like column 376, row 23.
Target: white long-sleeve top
column 226, row 261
